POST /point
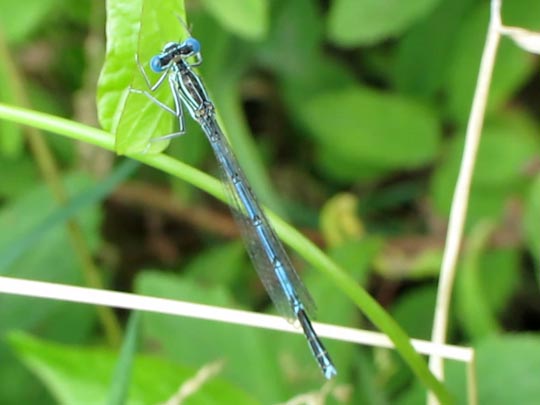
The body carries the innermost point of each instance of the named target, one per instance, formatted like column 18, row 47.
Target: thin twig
column 460, row 200
column 472, row 382
column 194, row 384
column 85, row 295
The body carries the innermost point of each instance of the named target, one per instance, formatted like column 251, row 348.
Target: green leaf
column 513, row 66
column 506, row 370
column 17, row 384
column 140, row 28
column 477, row 319
column 421, row 63
column 19, row 246
column 360, row 22
column 510, row 359
column 372, row 128
column 507, row 147
column 20, row 19
column 78, row 375
column 484, row 202
column 348, row 169
column 413, row 310
column 11, row 140
column 284, row 37
column 510, row 141
column 49, row 260
column 229, row 258
column 245, row 18
column 500, row 277
column 196, row 342
column 18, row 175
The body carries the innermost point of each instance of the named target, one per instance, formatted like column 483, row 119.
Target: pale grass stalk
column 458, row 211
column 85, row 295
column 317, row 397
column 472, row 381
column 194, row 384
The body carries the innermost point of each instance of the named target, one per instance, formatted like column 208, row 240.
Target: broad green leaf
column 79, row 375
column 372, row 128
column 421, row 62
column 368, row 382
column 507, row 147
column 484, row 202
column 18, row 176
column 196, row 342
column 19, row 246
column 506, row 368
column 140, row 28
column 510, row 359
column 348, row 169
column 245, row 18
column 500, row 277
column 322, row 75
column 531, row 221
column 49, row 260
column 21, row 19
column 477, row 319
column 280, row 52
column 229, row 258
column 513, row 66
column 17, row 384
column 11, row 140
column 359, row 22
column 413, row 310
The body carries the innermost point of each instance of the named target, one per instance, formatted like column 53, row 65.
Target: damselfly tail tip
column 317, row 348
column 329, row 371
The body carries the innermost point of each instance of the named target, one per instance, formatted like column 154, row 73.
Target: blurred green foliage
column 319, row 98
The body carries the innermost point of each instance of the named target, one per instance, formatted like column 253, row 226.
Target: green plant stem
column 295, row 239
column 121, row 380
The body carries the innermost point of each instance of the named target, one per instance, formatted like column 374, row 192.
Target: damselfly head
column 157, row 65
column 190, row 47
column 172, row 52
column 170, row 48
